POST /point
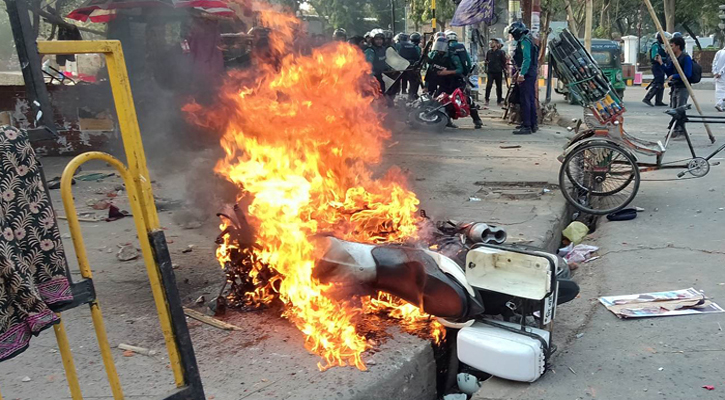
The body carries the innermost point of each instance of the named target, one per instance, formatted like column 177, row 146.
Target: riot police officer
column 410, row 52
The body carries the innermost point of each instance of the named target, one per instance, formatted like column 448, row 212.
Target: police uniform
column 526, row 58
column 410, row 52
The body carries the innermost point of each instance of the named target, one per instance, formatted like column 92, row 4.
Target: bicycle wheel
column 599, row 178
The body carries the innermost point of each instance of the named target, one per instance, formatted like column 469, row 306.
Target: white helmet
column 450, row 35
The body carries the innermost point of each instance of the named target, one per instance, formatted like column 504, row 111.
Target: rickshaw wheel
column 599, row 178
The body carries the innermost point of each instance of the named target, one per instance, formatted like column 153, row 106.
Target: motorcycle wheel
column 425, row 119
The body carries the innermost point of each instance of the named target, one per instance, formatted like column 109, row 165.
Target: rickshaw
column 607, row 55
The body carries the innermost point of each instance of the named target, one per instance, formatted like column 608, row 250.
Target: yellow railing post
column 136, row 177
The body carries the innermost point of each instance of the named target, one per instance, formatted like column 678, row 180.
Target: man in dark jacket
column 657, row 86
column 411, row 53
column 495, row 65
column 678, row 91
column 526, row 58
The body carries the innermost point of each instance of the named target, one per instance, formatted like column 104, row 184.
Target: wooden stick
column 678, row 66
column 210, row 321
column 81, row 219
column 136, row 349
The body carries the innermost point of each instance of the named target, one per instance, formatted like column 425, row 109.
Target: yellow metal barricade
column 153, row 243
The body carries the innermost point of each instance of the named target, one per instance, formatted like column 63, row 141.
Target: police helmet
column 339, row 34
column 388, row 34
column 403, row 37
column 676, row 34
column 450, row 35
column 415, row 37
column 441, row 44
column 518, row 29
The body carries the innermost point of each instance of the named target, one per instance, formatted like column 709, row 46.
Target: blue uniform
column 459, row 50
column 526, row 58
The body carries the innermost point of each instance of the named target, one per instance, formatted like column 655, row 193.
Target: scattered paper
column 660, row 304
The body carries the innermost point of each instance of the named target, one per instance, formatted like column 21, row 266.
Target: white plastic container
column 503, row 353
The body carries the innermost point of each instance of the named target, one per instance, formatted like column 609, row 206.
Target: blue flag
column 472, row 12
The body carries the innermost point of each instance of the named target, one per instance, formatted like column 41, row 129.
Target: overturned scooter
column 469, row 288
column 435, row 114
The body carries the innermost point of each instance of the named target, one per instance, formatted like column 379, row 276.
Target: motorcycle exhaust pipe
column 480, row 232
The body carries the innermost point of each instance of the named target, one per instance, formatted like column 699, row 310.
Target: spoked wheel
column 599, row 178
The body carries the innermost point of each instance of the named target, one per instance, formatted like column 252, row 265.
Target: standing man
column 526, row 58
column 495, row 65
column 657, row 86
column 375, row 55
column 718, row 71
column 459, row 50
column 410, row 52
column 678, row 91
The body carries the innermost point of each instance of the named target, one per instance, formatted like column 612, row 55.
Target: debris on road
column 26, row 379
column 623, row 215
column 135, row 349
column 114, row 213
column 127, row 253
column 94, row 176
column 579, row 335
column 580, row 253
column 209, row 320
column 474, row 199
column 98, row 204
column 575, row 232
column 572, row 370
column 513, row 146
column 200, row 300
column 188, row 249
column 660, row 304
column 708, row 387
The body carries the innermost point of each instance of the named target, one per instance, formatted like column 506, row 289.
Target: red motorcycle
column 435, row 114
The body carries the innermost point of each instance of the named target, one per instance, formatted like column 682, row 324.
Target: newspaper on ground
column 660, row 304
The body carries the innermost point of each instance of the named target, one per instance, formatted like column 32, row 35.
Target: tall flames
column 299, row 138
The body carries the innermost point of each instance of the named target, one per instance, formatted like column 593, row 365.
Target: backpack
column 696, row 72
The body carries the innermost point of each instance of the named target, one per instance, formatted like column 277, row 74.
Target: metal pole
column 433, row 13
column 31, row 64
column 392, row 12
column 677, row 66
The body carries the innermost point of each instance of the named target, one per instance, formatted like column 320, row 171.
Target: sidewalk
column 676, row 243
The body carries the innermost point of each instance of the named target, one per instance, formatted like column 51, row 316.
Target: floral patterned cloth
column 33, row 266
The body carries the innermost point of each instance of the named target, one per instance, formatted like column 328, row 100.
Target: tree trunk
column 588, row 25
column 571, row 19
column 670, row 15
column 544, row 34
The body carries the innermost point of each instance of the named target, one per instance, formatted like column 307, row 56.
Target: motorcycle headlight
column 619, row 76
column 458, row 101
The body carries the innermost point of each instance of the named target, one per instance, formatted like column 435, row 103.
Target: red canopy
column 105, row 10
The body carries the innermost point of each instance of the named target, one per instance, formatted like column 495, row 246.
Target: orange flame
column 299, row 140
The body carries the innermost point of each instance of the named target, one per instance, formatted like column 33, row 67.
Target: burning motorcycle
column 499, row 300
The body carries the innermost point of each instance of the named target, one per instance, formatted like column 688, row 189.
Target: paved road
column 677, row 243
